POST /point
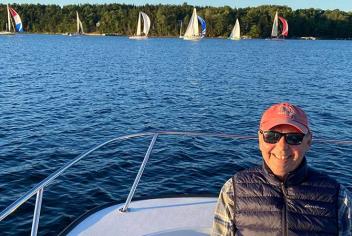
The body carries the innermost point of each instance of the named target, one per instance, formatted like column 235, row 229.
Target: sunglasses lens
column 271, row 136
column 294, row 139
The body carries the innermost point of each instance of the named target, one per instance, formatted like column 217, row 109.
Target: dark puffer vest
column 304, row 204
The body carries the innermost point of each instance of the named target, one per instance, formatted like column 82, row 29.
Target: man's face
column 281, row 157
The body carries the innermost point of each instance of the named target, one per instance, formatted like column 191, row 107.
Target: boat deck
column 189, row 216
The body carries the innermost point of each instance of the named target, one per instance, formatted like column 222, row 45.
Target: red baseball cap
column 284, row 114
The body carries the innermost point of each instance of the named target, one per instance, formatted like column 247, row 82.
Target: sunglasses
column 274, row 137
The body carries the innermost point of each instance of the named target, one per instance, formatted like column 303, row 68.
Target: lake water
column 61, row 96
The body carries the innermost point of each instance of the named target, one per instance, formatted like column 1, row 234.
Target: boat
column 17, row 21
column 79, row 28
column 192, row 31
column 309, row 38
column 146, row 26
column 236, row 31
column 275, row 29
column 164, row 216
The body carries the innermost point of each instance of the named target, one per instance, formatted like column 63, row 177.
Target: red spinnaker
column 284, row 26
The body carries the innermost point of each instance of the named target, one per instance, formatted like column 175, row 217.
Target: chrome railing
column 39, row 188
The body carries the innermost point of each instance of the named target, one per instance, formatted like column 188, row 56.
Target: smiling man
column 284, row 196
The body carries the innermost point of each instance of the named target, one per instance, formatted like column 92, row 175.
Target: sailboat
column 146, row 26
column 236, row 31
column 79, row 30
column 9, row 26
column 275, row 30
column 192, row 31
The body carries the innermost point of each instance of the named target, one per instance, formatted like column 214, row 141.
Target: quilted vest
column 304, row 204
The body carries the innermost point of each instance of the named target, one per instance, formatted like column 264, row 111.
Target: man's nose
column 282, row 147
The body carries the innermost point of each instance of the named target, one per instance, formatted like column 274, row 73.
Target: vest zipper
column 284, row 215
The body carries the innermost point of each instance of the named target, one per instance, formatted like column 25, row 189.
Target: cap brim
column 270, row 124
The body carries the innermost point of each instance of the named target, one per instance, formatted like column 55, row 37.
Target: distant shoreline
column 167, row 20
column 308, row 38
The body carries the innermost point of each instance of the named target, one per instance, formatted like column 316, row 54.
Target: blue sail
column 204, row 26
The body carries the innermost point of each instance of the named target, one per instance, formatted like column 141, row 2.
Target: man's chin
column 281, row 173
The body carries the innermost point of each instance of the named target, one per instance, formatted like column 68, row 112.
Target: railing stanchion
column 36, row 215
column 140, row 172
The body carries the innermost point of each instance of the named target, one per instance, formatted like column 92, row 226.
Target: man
column 284, row 196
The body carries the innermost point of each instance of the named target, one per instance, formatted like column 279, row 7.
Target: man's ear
column 260, row 141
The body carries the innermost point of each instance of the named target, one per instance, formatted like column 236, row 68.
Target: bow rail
column 39, row 188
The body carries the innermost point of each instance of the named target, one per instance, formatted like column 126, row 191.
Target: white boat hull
column 6, row 33
column 77, row 34
column 195, row 38
column 277, row 39
column 138, row 37
column 158, row 217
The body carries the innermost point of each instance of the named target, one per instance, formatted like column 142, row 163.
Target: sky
column 344, row 5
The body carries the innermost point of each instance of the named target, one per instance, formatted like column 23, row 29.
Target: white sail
column 8, row 19
column 146, row 22
column 77, row 22
column 236, row 31
column 274, row 31
column 192, row 31
column 79, row 25
column 8, row 28
column 139, row 25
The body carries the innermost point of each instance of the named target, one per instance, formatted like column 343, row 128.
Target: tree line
column 256, row 22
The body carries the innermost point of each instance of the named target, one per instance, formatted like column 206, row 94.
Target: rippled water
column 60, row 96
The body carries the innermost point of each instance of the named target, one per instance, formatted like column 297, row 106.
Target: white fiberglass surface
column 155, row 217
